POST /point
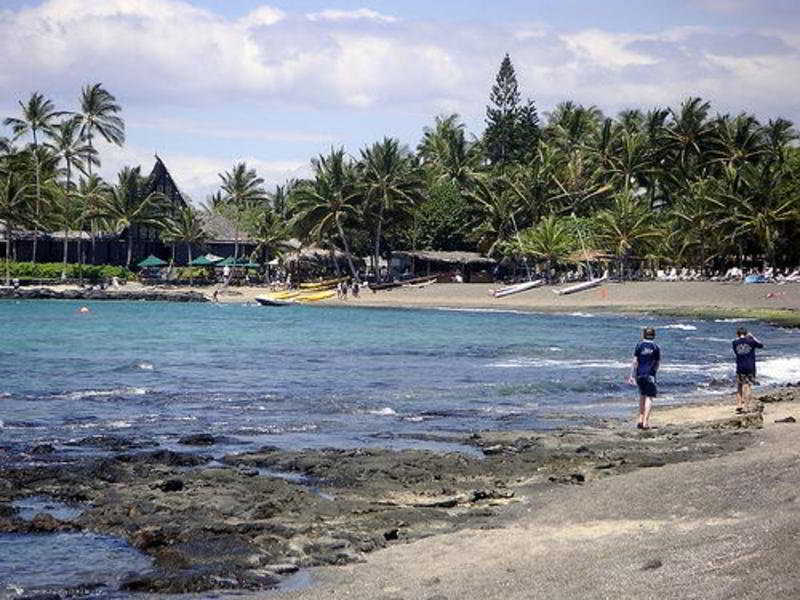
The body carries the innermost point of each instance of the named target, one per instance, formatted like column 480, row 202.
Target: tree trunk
column 8, row 254
column 130, row 249
column 37, row 206
column 189, row 254
column 347, row 249
column 66, row 250
column 378, row 231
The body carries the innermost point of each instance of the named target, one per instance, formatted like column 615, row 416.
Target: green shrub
column 26, row 270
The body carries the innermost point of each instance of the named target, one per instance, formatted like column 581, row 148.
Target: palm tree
column 89, row 194
column 270, row 231
column 70, row 147
column 123, row 208
column 66, row 212
column 38, row 116
column 496, row 221
column 98, row 114
column 391, row 181
column 626, row 228
column 13, row 198
column 242, row 190
column 447, row 152
column 689, row 137
column 549, row 240
column 322, row 206
column 762, row 205
column 186, row 227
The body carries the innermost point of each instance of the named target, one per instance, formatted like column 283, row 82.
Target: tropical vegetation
column 678, row 185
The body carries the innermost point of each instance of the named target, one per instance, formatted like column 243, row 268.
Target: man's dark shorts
column 746, row 378
column 647, row 386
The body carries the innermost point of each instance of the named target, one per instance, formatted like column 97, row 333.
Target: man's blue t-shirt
column 647, row 354
column 745, row 350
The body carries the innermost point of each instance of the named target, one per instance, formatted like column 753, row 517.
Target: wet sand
column 719, row 528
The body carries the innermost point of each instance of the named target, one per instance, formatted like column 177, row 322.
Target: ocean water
column 312, row 376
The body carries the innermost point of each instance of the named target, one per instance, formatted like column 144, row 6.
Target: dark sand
column 725, row 527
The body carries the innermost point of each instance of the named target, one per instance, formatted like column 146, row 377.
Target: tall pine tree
column 512, row 129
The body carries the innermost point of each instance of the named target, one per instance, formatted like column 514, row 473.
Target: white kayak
column 579, row 287
column 514, row 289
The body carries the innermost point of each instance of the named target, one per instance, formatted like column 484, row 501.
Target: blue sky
column 208, row 83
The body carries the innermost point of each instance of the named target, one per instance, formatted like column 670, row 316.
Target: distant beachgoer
column 343, row 287
column 744, row 348
column 355, row 289
column 215, row 296
column 226, row 274
column 646, row 360
column 84, row 310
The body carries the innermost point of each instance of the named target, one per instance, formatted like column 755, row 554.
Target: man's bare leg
column 648, row 405
column 739, row 397
column 747, row 400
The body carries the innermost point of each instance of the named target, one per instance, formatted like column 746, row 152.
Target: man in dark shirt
column 744, row 348
column 646, row 359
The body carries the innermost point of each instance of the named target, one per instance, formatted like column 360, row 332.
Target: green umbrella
column 250, row 265
column 151, row 261
column 228, row 262
column 203, row 261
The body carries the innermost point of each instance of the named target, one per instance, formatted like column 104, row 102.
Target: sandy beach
column 621, row 297
column 724, row 527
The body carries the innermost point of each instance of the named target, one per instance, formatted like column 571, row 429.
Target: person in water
column 744, row 348
column 646, row 359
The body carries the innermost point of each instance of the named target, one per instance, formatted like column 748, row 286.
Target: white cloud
column 351, row 15
column 606, row 49
column 262, row 16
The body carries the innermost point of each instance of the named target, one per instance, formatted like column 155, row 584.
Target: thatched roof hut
column 473, row 266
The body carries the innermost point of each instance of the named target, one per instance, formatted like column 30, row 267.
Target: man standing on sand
column 646, row 359
column 744, row 347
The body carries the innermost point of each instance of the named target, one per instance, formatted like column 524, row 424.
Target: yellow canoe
column 285, row 295
column 315, row 296
column 320, row 285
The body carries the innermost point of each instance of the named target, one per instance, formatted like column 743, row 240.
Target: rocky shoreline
column 97, row 294
column 247, row 520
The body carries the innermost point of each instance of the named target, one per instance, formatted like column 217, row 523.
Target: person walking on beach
column 646, row 359
column 744, row 348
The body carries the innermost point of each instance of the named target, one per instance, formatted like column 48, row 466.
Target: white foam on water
column 710, row 339
column 779, row 370
column 527, row 363
column 681, row 326
column 481, row 310
column 732, row 320
column 582, row 314
column 144, row 365
column 101, row 393
column 554, row 349
column 5, row 395
column 383, row 412
column 119, row 424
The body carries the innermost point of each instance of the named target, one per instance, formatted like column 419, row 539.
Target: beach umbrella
column 205, row 261
column 151, row 261
column 250, row 265
column 227, row 262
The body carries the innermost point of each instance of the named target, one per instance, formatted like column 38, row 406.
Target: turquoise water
column 150, row 373
column 317, row 376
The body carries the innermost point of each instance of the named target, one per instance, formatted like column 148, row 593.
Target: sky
column 206, row 84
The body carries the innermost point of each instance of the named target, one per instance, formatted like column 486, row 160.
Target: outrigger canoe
column 273, row 302
column 315, row 296
column 514, row 289
column 321, row 285
column 579, row 287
